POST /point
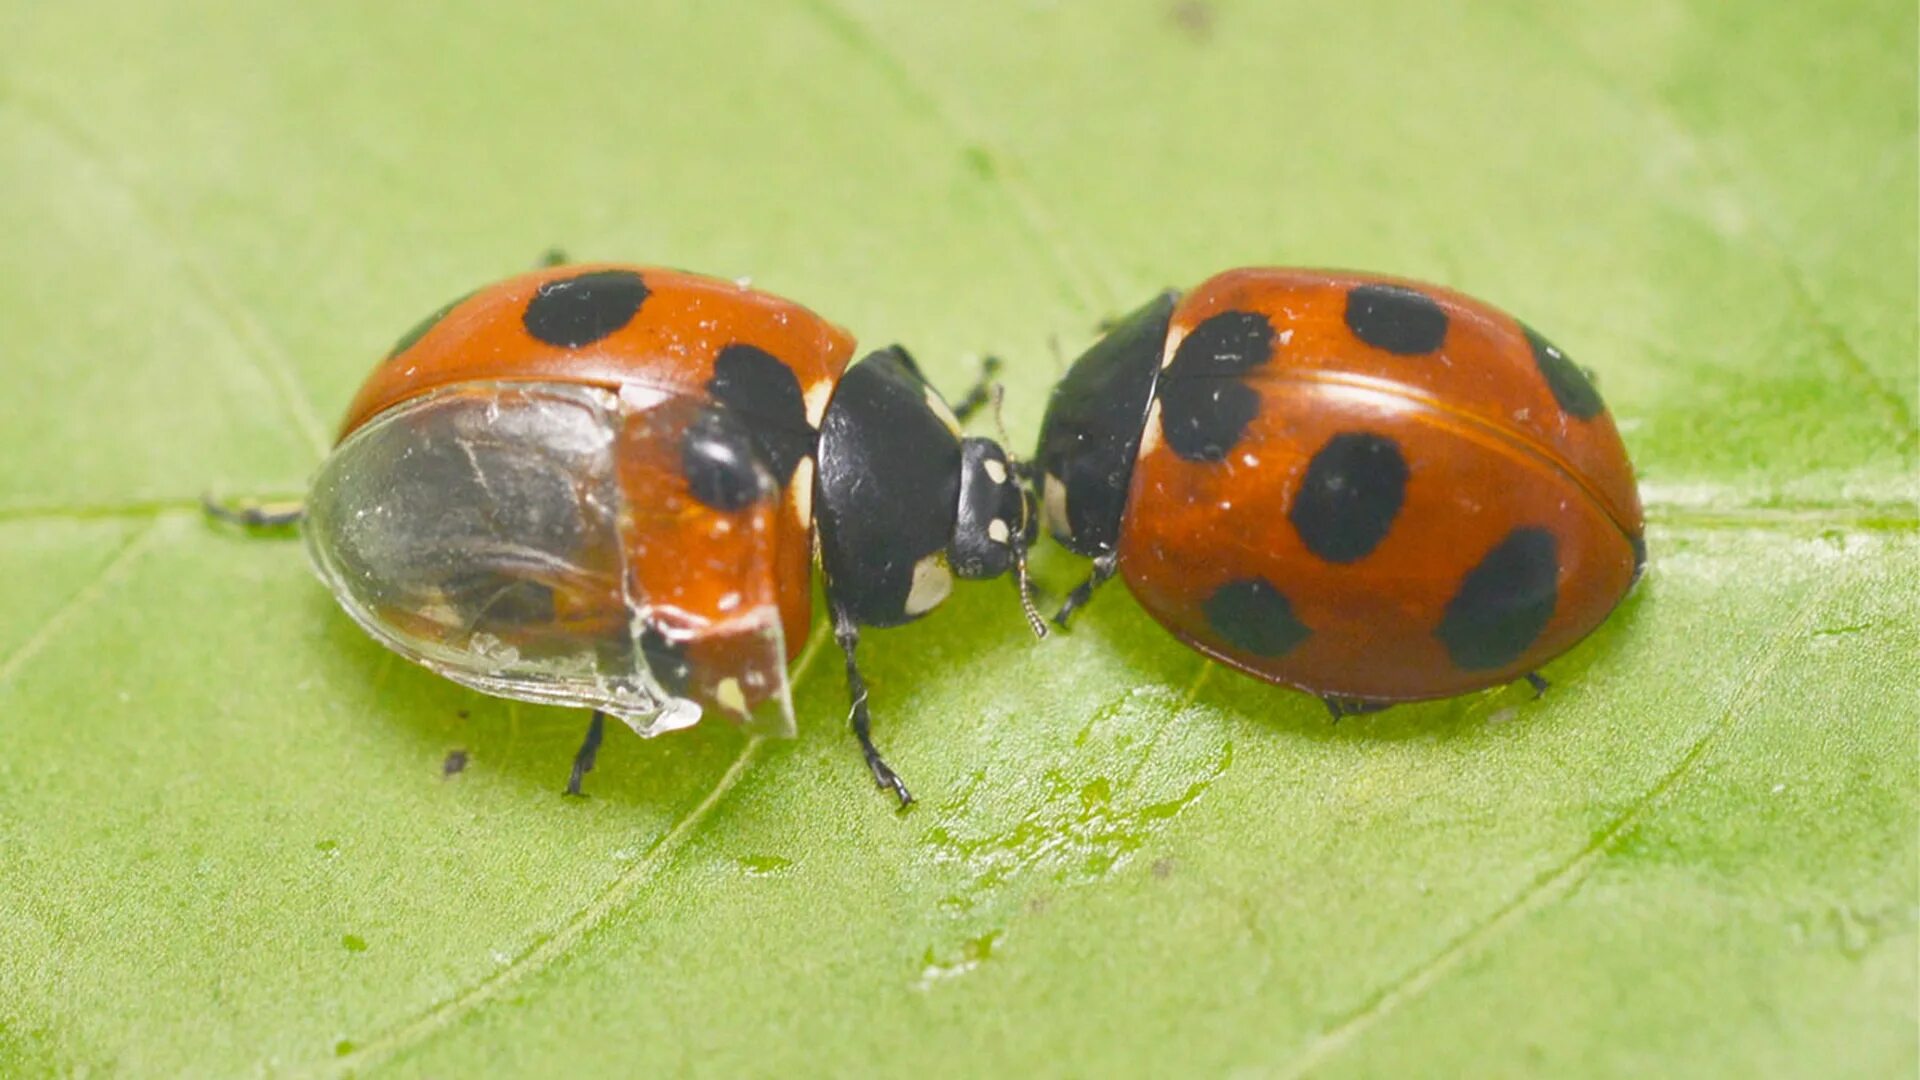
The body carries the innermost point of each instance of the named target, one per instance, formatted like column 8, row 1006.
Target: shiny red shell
column 658, row 333
column 1374, row 489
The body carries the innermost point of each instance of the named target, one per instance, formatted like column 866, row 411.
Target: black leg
column 1343, row 707
column 1538, row 682
column 980, row 393
column 251, row 515
column 1103, row 567
column 847, row 633
column 589, row 749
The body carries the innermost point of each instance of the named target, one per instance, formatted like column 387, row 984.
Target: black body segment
column 886, row 493
column 1092, row 430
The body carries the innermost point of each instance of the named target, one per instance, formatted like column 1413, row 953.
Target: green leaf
column 228, row 840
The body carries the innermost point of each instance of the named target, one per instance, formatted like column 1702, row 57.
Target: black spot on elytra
column 1205, row 406
column 1395, row 318
column 580, row 310
column 1255, row 617
column 761, row 388
column 719, row 459
column 1570, row 386
column 667, row 660
column 1350, row 496
column 1504, row 602
column 1230, row 343
column 413, row 336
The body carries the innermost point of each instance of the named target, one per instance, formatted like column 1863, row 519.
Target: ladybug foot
column 253, row 515
column 980, row 393
column 1104, row 567
column 589, row 750
column 1342, row 708
column 887, row 779
column 1539, row 684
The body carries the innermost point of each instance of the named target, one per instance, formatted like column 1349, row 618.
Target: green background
column 226, row 846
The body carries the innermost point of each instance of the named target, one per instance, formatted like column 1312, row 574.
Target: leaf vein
column 1887, row 396
column 109, row 575
column 1559, row 882
column 257, row 348
column 574, row 927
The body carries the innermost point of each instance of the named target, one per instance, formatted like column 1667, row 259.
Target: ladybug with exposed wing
column 604, row 486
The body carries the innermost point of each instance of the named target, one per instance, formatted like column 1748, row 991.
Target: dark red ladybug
column 1370, row 489
column 605, row 486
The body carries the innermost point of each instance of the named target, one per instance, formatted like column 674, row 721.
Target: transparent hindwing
column 541, row 541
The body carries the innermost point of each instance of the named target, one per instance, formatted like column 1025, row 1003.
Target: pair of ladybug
column 605, row 485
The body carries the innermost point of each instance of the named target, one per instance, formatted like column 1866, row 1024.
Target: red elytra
column 1368, row 488
column 670, row 342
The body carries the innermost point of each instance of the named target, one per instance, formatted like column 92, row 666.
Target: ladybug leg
column 1341, row 708
column 1538, row 682
column 980, row 392
column 1104, row 566
column 253, row 515
column 589, row 749
column 847, row 632
column 554, row 257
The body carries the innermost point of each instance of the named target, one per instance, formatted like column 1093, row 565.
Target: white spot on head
column 940, row 409
column 729, row 696
column 1054, row 498
column 995, row 471
column 932, row 581
column 998, row 532
column 816, row 397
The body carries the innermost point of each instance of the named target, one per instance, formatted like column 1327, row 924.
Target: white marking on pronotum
column 998, row 532
column 816, row 397
column 1054, row 497
column 996, row 472
column 801, row 492
column 932, row 581
column 940, row 410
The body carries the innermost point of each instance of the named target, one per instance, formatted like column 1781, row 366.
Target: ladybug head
column 998, row 519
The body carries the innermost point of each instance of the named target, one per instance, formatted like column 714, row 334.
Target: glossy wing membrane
column 499, row 535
